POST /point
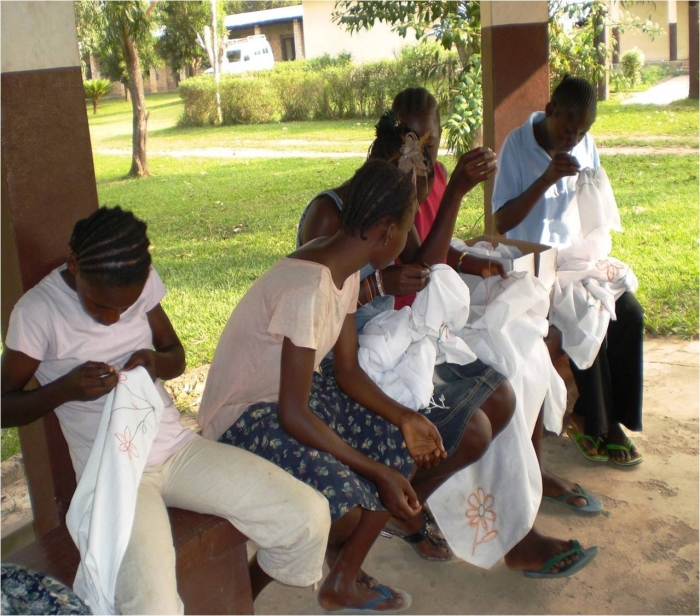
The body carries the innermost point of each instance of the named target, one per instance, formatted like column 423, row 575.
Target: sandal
column 578, row 438
column 584, row 558
column 429, row 532
column 628, row 448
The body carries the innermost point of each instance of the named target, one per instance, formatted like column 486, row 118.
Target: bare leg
column 552, row 485
column 341, row 588
column 534, row 550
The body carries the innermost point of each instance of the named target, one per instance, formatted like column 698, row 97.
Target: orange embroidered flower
column 126, row 443
column 481, row 515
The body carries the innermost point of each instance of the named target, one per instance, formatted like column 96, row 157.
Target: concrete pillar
column 257, row 30
column 515, row 64
column 672, row 31
column 298, row 40
column 48, row 183
column 153, row 80
column 693, row 64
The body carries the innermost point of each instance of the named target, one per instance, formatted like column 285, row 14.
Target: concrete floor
column 647, row 533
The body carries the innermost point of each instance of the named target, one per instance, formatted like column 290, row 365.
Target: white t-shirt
column 294, row 299
column 521, row 161
column 50, row 325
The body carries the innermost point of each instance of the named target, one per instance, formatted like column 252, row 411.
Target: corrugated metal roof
column 285, row 13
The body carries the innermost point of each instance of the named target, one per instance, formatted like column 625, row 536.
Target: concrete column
column 153, row 80
column 515, row 64
column 672, row 31
column 693, row 64
column 298, row 39
column 48, row 183
column 615, row 18
column 257, row 30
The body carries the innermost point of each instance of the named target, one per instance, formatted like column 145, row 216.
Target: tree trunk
column 94, row 106
column 139, row 163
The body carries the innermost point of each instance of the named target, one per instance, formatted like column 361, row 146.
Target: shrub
column 249, row 100
column 95, row 89
column 632, row 62
column 199, row 96
column 298, row 89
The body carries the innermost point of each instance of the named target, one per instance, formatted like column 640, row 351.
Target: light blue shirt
column 521, row 161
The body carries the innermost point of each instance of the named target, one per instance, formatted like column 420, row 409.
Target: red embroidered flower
column 126, row 443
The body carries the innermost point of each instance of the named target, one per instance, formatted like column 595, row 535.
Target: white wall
column 322, row 36
column 38, row 35
column 658, row 49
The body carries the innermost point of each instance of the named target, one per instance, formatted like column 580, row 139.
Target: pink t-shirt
column 50, row 325
column 294, row 299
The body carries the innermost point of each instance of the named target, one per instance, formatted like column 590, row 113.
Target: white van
column 252, row 53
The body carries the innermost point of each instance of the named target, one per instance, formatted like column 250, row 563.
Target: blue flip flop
column 585, row 557
column 592, row 506
column 384, row 593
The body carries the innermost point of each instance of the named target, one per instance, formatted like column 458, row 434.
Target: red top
column 425, row 217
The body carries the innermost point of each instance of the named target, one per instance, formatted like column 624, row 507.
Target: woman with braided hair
column 342, row 436
column 78, row 331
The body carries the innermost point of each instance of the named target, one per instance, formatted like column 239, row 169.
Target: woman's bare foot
column 578, row 424
column 555, row 486
column 617, row 436
column 331, row 597
column 534, row 550
column 431, row 547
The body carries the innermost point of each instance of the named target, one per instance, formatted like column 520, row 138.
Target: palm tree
column 95, row 89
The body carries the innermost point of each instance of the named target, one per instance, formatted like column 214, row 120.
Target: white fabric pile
column 589, row 281
column 485, row 509
column 101, row 513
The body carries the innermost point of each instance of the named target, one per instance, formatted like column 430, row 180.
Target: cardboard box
column 538, row 259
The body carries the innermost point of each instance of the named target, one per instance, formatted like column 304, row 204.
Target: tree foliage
column 234, row 7
column 453, row 25
column 181, row 22
column 95, row 89
column 574, row 37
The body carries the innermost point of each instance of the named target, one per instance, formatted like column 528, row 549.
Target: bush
column 249, row 100
column 199, row 96
column 298, row 89
column 632, row 62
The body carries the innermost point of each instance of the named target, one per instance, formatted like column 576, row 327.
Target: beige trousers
column 286, row 519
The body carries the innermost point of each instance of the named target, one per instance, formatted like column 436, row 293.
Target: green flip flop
column 592, row 506
column 628, row 448
column 585, row 557
column 578, row 438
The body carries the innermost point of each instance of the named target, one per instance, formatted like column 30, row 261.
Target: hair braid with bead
column 111, row 245
column 378, row 190
column 390, row 136
column 576, row 94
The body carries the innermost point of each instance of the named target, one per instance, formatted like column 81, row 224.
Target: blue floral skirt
column 258, row 431
column 27, row 592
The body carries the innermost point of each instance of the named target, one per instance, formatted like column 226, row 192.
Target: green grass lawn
column 217, row 224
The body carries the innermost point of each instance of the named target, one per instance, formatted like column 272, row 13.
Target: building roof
column 285, row 13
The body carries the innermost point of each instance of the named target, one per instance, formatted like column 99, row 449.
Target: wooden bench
column 212, row 560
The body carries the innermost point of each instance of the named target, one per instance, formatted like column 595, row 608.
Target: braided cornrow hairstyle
column 389, row 137
column 415, row 100
column 576, row 94
column 378, row 190
column 111, row 245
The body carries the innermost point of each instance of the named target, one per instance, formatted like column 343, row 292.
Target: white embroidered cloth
column 399, row 348
column 101, row 513
column 485, row 509
column 488, row 507
column 588, row 279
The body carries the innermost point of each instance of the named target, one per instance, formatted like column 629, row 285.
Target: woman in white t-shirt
column 348, row 439
column 98, row 315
